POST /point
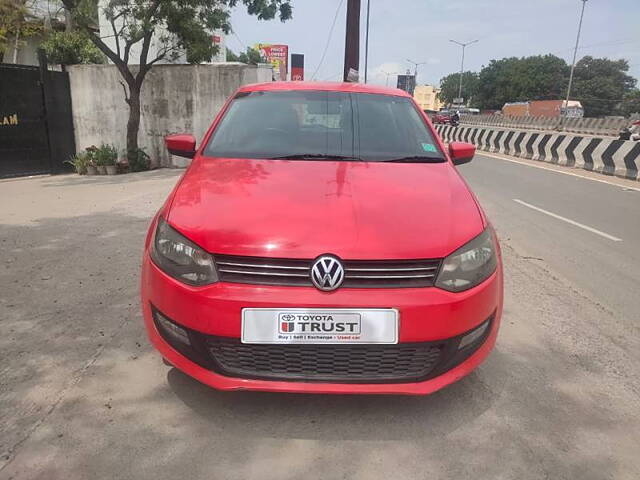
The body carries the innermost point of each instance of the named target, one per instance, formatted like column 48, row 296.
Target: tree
column 172, row 27
column 540, row 77
column 17, row 22
column 450, row 85
column 250, row 57
column 71, row 48
column 631, row 103
column 601, row 85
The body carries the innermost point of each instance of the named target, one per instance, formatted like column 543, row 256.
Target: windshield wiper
column 314, row 156
column 417, row 159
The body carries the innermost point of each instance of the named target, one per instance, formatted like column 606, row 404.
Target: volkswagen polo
column 322, row 240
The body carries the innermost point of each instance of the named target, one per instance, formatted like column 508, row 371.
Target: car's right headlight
column 180, row 258
column 470, row 265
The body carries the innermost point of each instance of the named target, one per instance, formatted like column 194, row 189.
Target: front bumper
column 426, row 315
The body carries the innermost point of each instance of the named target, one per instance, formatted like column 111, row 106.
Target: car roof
column 324, row 86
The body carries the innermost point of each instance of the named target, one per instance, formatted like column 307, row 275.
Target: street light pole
column 575, row 53
column 463, row 45
column 366, row 44
column 415, row 69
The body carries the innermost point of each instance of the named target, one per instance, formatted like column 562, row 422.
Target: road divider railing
column 587, row 126
column 604, row 155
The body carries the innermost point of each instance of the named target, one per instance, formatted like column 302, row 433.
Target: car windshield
column 323, row 125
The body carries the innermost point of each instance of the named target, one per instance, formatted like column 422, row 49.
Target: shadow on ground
column 84, row 396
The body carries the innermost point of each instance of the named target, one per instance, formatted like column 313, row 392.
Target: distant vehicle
column 454, row 121
column 442, row 117
column 631, row 133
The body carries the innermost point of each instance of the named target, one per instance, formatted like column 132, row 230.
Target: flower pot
column 111, row 169
column 91, row 170
column 102, row 170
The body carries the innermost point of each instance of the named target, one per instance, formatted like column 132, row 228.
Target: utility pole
column 463, row 45
column 366, row 43
column 575, row 53
column 352, row 38
column 415, row 69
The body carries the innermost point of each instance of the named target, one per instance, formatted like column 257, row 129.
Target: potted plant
column 112, row 168
column 122, row 164
column 106, row 156
column 91, row 169
column 79, row 161
column 90, row 152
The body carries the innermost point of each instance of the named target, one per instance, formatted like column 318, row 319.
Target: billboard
column 297, row 66
column 277, row 56
column 407, row 83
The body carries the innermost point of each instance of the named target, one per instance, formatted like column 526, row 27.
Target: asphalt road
column 83, row 395
column 605, row 262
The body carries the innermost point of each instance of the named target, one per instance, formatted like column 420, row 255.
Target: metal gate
column 36, row 127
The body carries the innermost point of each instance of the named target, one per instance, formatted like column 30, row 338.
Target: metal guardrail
column 588, row 126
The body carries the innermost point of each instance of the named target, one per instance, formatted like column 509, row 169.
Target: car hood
column 301, row 209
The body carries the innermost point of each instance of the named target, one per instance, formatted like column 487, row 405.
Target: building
column 516, row 109
column 426, row 96
column 544, row 108
column 407, row 83
column 40, row 17
column 159, row 42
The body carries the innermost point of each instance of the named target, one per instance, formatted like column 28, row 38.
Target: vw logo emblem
column 327, row 273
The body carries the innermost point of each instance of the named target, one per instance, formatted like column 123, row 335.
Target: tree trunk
column 15, row 46
column 68, row 21
column 133, row 124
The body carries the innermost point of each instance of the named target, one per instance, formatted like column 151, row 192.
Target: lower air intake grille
column 318, row 363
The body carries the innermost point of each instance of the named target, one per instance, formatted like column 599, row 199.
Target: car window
column 390, row 128
column 315, row 124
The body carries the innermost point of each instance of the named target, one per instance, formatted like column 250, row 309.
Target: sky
column 420, row 30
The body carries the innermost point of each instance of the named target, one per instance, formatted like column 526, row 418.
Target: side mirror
column 461, row 152
column 182, row 145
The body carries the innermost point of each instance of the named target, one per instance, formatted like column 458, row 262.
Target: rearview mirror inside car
column 182, row 145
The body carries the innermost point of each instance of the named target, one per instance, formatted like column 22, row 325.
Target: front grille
column 325, row 363
column 358, row 273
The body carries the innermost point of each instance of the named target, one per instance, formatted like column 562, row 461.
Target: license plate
column 313, row 325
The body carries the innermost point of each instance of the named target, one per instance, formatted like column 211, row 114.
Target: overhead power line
column 326, row 47
column 596, row 45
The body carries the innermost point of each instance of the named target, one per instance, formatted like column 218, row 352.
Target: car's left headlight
column 180, row 258
column 470, row 265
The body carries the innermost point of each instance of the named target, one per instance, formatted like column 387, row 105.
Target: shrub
column 105, row 155
column 80, row 162
column 139, row 161
column 70, row 48
column 91, row 155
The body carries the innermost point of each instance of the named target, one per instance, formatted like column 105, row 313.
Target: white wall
column 175, row 99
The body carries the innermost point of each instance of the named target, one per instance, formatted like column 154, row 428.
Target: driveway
column 83, row 395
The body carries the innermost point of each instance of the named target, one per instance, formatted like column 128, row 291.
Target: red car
column 322, row 241
column 442, row 118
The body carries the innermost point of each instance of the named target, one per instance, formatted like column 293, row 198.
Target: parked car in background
column 442, row 117
column 468, row 111
column 322, row 240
